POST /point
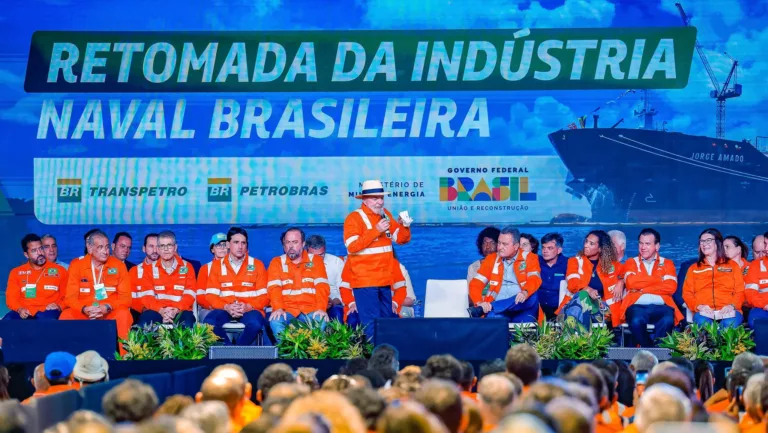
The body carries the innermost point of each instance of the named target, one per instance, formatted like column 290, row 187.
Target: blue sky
column 520, row 121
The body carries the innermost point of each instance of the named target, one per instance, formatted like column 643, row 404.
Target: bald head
column 39, row 380
column 222, row 388
column 571, row 415
column 523, row 423
column 495, row 394
column 661, row 403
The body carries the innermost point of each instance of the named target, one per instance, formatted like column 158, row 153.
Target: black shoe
column 475, row 311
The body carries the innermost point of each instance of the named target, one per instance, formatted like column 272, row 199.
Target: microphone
column 384, row 216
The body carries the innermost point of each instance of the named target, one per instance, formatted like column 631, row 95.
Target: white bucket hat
column 371, row 188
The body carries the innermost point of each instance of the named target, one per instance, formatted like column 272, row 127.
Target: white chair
column 233, row 330
column 446, row 298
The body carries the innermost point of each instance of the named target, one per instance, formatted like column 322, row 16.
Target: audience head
column 59, row 367
column 442, row 398
column 210, row 416
column 386, row 360
column 98, row 246
column 308, row 376
column 753, row 402
column 443, row 367
column 339, row 383
column 590, row 375
column 369, row 403
column 675, row 377
column 571, row 415
column 225, row 389
column 748, row 362
column 90, row 367
column 564, row 367
column 468, row 379
column 486, row 241
column 495, row 394
column 370, row 378
column 661, row 403
column 174, row 405
column 523, row 361
column 643, row 360
column 524, row 423
column 409, row 379
column 329, row 408
column 705, row 379
column 353, row 366
column 409, row 417
column 130, row 401
column 281, row 396
column 271, row 376
column 39, row 380
column 13, row 418
column 490, row 367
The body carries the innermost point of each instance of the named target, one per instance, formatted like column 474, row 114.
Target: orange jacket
column 399, row 289
column 578, row 275
column 249, row 285
column 756, row 284
column 202, row 285
column 715, row 287
column 176, row 290
column 298, row 288
column 527, row 271
column 370, row 252
column 50, row 287
column 138, row 294
column 662, row 282
column 114, row 276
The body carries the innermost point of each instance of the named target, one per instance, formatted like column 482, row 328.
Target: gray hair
column 315, row 242
column 644, row 360
column 46, row 236
column 619, row 237
column 753, row 390
column 210, row 416
column 509, row 230
column 167, row 234
column 496, row 391
column 661, row 403
column 749, row 362
column 96, row 234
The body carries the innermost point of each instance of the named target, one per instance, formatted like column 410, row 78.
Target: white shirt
column 236, row 265
column 333, row 267
column 62, row 264
column 509, row 285
column 647, row 298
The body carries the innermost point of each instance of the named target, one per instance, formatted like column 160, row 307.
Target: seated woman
column 737, row 250
column 714, row 286
column 593, row 278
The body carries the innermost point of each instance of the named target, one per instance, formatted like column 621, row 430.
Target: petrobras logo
column 219, row 189
column 283, row 190
column 69, row 190
column 471, row 189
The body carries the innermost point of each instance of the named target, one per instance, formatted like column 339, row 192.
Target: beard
column 293, row 255
column 40, row 260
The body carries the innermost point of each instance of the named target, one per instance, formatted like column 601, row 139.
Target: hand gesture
column 592, row 293
column 278, row 314
column 51, row 307
column 23, row 312
column 383, row 225
column 485, row 306
column 320, row 315
column 521, row 297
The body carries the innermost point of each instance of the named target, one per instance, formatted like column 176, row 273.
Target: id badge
column 30, row 291
column 100, row 292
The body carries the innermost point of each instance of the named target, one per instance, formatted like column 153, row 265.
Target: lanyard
column 42, row 272
column 93, row 272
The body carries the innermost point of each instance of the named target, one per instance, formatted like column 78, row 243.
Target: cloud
column 25, row 110
column 70, row 148
column 435, row 14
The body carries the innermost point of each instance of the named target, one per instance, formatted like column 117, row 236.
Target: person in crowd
column 591, row 376
column 399, row 291
column 753, row 405
column 744, row 366
column 626, row 386
column 529, row 243
column 468, row 380
column 495, row 396
column 308, row 376
column 237, row 291
column 298, row 284
column 736, row 250
column 172, row 282
column 442, row 398
column 661, row 403
column 36, row 289
column 333, row 268
column 619, row 241
column 490, row 367
column 514, row 277
column 140, row 294
column 273, row 375
column 406, row 309
column 649, row 282
column 643, row 360
column 324, row 411
column 369, row 233
column 40, row 382
column 174, row 405
column 553, row 266
column 756, row 291
column 369, row 403
column 58, row 367
column 758, row 247
column 486, row 245
column 704, row 373
column 443, row 367
column 385, row 359
column 210, row 416
column 90, row 368
column 121, row 248
column 593, row 278
column 571, row 415
column 524, row 362
column 244, row 411
column 51, row 249
column 714, row 286
column 219, row 249
column 99, row 287
column 129, row 402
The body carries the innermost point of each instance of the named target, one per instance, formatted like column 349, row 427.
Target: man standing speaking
column 368, row 236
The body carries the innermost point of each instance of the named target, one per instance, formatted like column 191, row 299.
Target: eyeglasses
column 220, row 246
column 706, row 241
column 36, row 250
column 166, row 246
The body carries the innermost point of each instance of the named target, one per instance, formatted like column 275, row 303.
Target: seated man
column 35, row 289
column 756, row 290
column 237, row 290
column 514, row 277
column 99, row 287
column 173, row 286
column 399, row 294
column 333, row 268
column 649, row 282
column 151, row 254
column 298, row 285
column 219, row 250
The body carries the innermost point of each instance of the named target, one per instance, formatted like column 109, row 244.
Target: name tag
column 559, row 275
column 159, row 288
column 177, row 287
column 30, row 291
column 51, row 287
column 494, row 283
column 247, row 284
column 763, row 282
column 100, row 292
column 111, row 289
column 85, row 290
column 226, row 284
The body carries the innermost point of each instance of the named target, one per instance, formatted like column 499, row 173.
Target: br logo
column 219, row 189
column 69, row 190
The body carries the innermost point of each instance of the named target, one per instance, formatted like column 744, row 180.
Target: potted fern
column 309, row 341
column 155, row 342
column 565, row 341
column 708, row 342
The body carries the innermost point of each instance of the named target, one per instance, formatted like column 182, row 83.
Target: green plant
column 565, row 341
column 154, row 342
column 708, row 342
column 302, row 340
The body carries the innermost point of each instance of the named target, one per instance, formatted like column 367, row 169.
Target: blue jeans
column 353, row 320
column 253, row 320
column 185, row 318
column 525, row 312
column 43, row 315
column 639, row 317
column 725, row 323
column 336, row 312
column 279, row 325
column 756, row 314
column 373, row 303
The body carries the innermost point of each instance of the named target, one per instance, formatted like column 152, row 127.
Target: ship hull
column 637, row 176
